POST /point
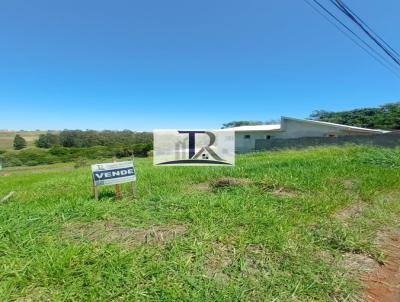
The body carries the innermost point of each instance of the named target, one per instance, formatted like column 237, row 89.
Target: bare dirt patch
column 383, row 283
column 348, row 184
column 226, row 182
column 218, row 260
column 381, row 280
column 222, row 183
column 278, row 190
column 34, row 294
column 230, row 182
column 359, row 263
column 103, row 231
column 284, row 192
column 217, row 263
column 275, row 187
column 255, row 260
column 350, row 211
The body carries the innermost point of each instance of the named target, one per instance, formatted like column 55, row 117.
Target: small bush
column 81, row 162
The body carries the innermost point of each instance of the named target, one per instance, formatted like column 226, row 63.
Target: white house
column 246, row 136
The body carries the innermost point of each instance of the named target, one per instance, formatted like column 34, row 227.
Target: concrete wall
column 296, row 129
column 290, row 129
column 384, row 140
column 245, row 145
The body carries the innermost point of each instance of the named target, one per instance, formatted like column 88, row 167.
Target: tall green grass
column 266, row 246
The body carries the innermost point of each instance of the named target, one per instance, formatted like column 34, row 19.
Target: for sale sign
column 113, row 173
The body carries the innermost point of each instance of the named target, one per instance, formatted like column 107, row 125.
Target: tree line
column 91, row 138
column 78, row 145
column 386, row 117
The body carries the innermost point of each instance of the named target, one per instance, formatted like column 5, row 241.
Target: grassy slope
column 7, row 138
column 298, row 241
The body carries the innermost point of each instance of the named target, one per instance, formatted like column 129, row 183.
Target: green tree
column 47, row 140
column 19, row 142
column 384, row 117
column 249, row 123
column 241, row 123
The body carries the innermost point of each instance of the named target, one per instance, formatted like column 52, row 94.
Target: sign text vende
column 113, row 173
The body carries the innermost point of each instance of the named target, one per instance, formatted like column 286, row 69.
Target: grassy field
column 274, row 228
column 7, row 138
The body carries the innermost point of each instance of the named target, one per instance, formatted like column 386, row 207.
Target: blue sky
column 180, row 63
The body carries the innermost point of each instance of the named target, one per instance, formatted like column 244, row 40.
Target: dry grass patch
column 104, row 231
column 203, row 186
column 34, row 295
column 348, row 184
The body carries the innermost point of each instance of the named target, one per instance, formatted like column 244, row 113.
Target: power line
column 382, row 62
column 351, row 31
column 367, row 48
column 370, row 29
column 344, row 8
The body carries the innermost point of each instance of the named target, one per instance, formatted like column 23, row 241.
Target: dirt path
column 383, row 283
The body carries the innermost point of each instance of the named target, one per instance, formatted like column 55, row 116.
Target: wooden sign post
column 117, row 186
column 114, row 173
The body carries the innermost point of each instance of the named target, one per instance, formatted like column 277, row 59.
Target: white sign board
column 113, row 173
column 194, row 147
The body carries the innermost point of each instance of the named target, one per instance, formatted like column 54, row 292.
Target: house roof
column 279, row 127
column 335, row 125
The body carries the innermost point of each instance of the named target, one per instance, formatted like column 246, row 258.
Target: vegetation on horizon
column 248, row 123
column 91, row 138
column 37, row 156
column 384, row 117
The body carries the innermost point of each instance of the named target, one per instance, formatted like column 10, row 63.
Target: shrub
column 81, row 162
column 47, row 140
column 32, row 157
column 19, row 142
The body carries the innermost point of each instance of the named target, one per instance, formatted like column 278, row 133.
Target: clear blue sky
column 181, row 63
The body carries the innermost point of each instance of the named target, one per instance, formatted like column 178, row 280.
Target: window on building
column 247, row 136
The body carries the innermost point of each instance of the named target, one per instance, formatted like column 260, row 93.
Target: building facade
column 289, row 128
